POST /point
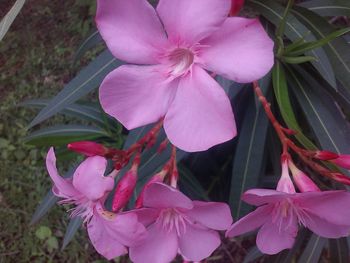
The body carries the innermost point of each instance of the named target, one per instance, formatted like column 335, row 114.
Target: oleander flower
column 109, row 233
column 176, row 224
column 178, row 45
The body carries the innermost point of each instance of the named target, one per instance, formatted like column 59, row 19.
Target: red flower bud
column 325, row 155
column 124, row 190
column 88, row 148
column 342, row 161
column 341, row 178
column 236, row 6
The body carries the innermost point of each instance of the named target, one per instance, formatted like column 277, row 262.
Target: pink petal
column 250, row 222
column 131, row 29
column 240, row 50
column 158, row 195
column 89, row 178
column 196, row 244
column 136, row 95
column 259, row 197
column 201, row 115
column 324, row 228
column 146, row 216
column 334, row 206
column 211, row 214
column 160, row 246
column 191, row 20
column 103, row 242
column 273, row 238
column 62, row 187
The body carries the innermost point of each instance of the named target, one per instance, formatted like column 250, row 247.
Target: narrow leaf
column 74, row 224
column 86, row 81
column 7, row 21
column 313, row 250
column 90, row 42
column 328, row 7
column 339, row 250
column 46, row 204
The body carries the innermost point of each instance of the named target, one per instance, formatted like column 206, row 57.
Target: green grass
column 37, row 60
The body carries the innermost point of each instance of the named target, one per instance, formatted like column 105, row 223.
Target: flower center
column 180, row 61
column 170, row 219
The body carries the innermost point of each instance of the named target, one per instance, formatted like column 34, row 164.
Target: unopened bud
column 285, row 184
column 303, row 182
column 236, row 6
column 159, row 177
column 88, row 148
column 325, row 155
column 341, row 178
column 342, row 161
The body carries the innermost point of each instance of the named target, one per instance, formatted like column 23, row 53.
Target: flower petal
column 250, row 222
column 89, row 178
column 147, row 216
column 211, row 214
column 62, row 187
column 192, row 20
column 240, row 50
column 259, row 197
column 102, row 241
column 273, row 238
column 160, row 246
column 196, row 244
column 131, row 29
column 334, row 206
column 158, row 195
column 136, row 95
column 324, row 228
column 201, row 114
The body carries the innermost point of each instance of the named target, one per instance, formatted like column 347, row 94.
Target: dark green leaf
column 339, row 250
column 72, row 228
column 7, row 21
column 63, row 134
column 91, row 41
column 86, row 81
column 313, row 250
column 46, row 204
column 337, row 50
column 297, row 60
column 285, row 106
column 328, row 7
column 252, row 255
column 295, row 31
column 248, row 160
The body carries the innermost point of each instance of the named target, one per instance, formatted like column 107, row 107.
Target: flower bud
column 285, row 184
column 342, row 161
column 88, row 148
column 236, row 6
column 325, row 155
column 341, row 178
column 303, row 182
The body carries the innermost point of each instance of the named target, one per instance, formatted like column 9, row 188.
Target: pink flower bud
column 88, row 148
column 303, row 182
column 342, row 161
column 325, row 155
column 285, row 184
column 236, row 6
column 157, row 178
column 341, row 178
column 125, row 189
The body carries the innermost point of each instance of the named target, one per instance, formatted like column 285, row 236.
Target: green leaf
column 46, row 204
column 297, row 60
column 90, row 42
column 337, row 50
column 329, row 126
column 313, row 250
column 52, row 243
column 283, row 99
column 7, row 21
column 248, row 160
column 304, row 47
column 81, row 111
column 74, row 224
column 85, row 82
column 63, row 134
column 328, row 7
column 43, row 232
column 252, row 255
column 295, row 31
column 339, row 250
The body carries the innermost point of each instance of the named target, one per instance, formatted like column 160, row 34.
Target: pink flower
column 177, row 44
column 87, row 189
column 278, row 215
column 177, row 224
